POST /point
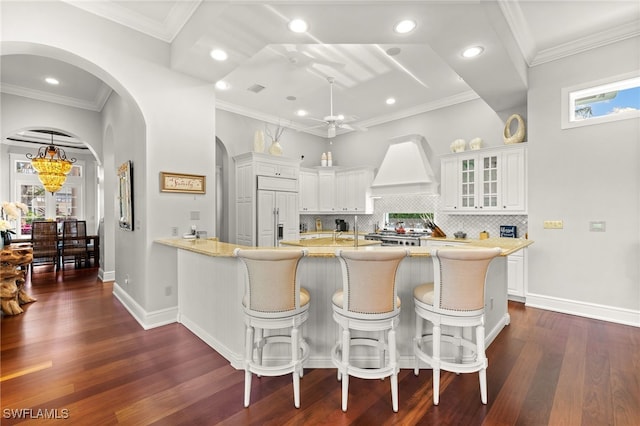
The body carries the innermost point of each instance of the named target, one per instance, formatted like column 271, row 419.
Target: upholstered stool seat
column 275, row 302
column 371, row 307
column 455, row 301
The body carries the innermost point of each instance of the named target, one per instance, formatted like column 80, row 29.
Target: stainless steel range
column 393, row 238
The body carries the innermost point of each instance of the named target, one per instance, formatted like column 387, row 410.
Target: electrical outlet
column 174, row 231
column 553, row 224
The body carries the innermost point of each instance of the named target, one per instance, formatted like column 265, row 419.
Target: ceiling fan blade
column 312, row 127
column 314, row 119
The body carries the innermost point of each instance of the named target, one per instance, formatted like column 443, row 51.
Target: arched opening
column 222, row 191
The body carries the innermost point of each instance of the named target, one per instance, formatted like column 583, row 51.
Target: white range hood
column 405, row 169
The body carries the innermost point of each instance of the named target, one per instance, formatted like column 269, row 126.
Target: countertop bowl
column 460, row 235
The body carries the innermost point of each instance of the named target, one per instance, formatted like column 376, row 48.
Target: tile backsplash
column 418, row 203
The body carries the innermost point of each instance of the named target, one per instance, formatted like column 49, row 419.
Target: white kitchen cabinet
column 280, row 175
column 277, row 166
column 517, row 275
column 326, row 191
column 308, row 191
column 488, row 181
column 353, row 191
column 338, row 190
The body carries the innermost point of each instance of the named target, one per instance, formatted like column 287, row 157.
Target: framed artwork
column 125, row 195
column 180, row 182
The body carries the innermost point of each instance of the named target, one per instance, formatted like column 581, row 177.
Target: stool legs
column 394, row 376
column 295, row 346
column 483, row 358
column 346, row 341
column 248, row 355
column 436, row 363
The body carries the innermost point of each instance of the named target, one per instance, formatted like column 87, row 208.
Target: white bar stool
column 455, row 300
column 368, row 302
column 273, row 300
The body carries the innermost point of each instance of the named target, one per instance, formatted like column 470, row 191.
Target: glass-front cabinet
column 485, row 181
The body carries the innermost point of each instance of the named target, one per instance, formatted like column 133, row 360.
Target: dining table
column 93, row 238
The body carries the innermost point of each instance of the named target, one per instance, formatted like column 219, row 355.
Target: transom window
column 600, row 102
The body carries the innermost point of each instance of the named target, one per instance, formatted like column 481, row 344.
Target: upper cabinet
column 487, row 181
column 336, row 190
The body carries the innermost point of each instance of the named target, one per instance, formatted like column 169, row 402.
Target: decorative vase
column 475, row 143
column 518, row 136
column 275, row 148
column 258, row 141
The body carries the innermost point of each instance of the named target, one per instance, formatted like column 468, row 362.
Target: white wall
column 578, row 175
column 467, row 120
column 179, row 134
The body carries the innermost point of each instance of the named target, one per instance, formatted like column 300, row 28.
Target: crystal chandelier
column 52, row 166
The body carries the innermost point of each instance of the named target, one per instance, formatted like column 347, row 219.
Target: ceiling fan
column 334, row 122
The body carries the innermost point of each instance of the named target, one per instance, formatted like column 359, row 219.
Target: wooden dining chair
column 44, row 239
column 74, row 243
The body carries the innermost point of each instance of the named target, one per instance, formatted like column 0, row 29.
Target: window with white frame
column 612, row 99
column 67, row 203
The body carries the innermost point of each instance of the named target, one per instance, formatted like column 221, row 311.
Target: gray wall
column 584, row 174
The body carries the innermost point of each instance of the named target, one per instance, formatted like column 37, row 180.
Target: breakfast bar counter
column 211, row 287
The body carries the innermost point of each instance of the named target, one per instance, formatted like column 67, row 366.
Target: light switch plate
column 553, row 224
column 598, row 226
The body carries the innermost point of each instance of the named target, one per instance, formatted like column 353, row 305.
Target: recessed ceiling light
column 472, row 52
column 301, row 113
column 219, row 55
column 404, row 27
column 298, row 25
column 390, row 101
column 52, row 80
column 222, row 85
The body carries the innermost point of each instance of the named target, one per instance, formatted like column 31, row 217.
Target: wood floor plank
column 78, row 349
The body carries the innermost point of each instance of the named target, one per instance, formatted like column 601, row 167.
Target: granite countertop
column 212, row 247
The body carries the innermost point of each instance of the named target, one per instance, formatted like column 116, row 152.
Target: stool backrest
column 271, row 279
column 369, row 280
column 459, row 279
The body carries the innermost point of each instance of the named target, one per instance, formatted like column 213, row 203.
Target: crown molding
column 512, row 13
column 583, row 44
column 409, row 112
column 95, row 105
column 420, row 109
column 166, row 30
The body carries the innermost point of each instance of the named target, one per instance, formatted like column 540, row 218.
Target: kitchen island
column 211, row 287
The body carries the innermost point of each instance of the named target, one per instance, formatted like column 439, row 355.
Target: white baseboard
column 584, row 309
column 146, row 319
column 106, row 275
column 236, row 360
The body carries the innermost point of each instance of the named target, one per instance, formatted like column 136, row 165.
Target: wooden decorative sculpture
column 14, row 261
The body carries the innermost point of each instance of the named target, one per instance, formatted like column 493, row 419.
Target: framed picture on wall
column 180, row 182
column 125, row 195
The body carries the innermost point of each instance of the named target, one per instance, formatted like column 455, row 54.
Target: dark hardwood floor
column 77, row 354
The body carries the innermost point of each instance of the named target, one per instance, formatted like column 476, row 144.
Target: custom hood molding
column 405, row 169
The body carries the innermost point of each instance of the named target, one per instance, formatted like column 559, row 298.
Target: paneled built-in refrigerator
column 278, row 211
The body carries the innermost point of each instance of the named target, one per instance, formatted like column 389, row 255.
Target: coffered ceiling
column 272, row 72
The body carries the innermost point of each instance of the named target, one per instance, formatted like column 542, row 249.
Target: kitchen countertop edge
column 215, row 248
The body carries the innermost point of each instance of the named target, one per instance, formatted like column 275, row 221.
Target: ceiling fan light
column 405, row 26
column 331, row 131
column 298, row 25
